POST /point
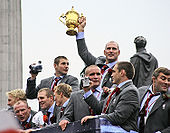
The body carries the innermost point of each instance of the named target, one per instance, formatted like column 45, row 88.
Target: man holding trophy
column 106, row 63
column 111, row 52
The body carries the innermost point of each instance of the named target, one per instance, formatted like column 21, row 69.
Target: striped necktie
column 143, row 113
column 55, row 83
column 117, row 91
column 103, row 69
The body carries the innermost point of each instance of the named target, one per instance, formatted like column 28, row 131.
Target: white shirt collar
column 110, row 65
column 121, row 84
column 51, row 109
column 65, row 104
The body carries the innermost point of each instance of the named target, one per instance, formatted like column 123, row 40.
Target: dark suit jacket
column 89, row 59
column 123, row 108
column 77, row 108
column 56, row 111
column 159, row 117
column 32, row 90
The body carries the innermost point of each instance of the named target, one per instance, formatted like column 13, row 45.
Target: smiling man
column 154, row 115
column 48, row 106
column 106, row 62
column 61, row 66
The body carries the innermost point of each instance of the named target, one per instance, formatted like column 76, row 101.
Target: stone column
column 10, row 48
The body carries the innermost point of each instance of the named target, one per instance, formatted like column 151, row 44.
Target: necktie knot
column 93, row 90
column 57, row 78
column 104, row 68
column 55, row 81
column 110, row 71
column 117, row 89
column 62, row 108
column 61, row 111
column 26, row 125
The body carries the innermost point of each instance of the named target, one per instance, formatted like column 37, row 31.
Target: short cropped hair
column 48, row 91
column 57, row 59
column 21, row 101
column 89, row 67
column 17, row 94
column 64, row 88
column 112, row 42
column 159, row 70
column 128, row 67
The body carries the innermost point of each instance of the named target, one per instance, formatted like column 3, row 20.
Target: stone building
column 10, row 48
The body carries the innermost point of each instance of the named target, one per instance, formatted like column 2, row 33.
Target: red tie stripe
column 103, row 69
column 55, row 83
column 117, row 91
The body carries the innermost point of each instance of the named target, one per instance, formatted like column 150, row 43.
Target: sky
column 44, row 36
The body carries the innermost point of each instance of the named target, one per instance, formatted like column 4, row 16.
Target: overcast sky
column 44, row 37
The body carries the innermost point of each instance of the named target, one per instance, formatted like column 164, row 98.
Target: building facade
column 10, row 48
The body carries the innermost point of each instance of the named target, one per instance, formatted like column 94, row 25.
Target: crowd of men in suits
column 112, row 92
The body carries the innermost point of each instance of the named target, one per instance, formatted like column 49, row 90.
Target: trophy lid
column 72, row 11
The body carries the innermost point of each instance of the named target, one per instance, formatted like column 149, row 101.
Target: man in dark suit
column 61, row 66
column 122, row 105
column 78, row 108
column 49, row 110
column 154, row 115
column 24, row 114
column 62, row 94
column 145, row 63
column 111, row 53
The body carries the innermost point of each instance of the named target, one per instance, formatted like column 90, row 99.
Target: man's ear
column 104, row 52
column 29, row 108
column 153, row 79
column 61, row 94
column 51, row 97
column 55, row 65
column 122, row 72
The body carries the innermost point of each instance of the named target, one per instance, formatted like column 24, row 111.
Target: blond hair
column 64, row 88
column 17, row 94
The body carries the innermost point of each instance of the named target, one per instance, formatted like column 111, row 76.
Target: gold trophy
column 71, row 21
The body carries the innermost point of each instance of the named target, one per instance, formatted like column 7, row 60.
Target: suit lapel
column 143, row 96
column 114, row 97
column 63, row 80
column 158, row 103
column 106, row 78
column 112, row 101
column 50, row 82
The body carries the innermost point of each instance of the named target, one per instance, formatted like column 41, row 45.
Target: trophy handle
column 63, row 16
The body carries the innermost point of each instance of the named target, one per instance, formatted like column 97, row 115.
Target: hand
column 86, row 89
column 84, row 119
column 33, row 76
column 106, row 89
column 63, row 124
column 25, row 131
column 82, row 24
